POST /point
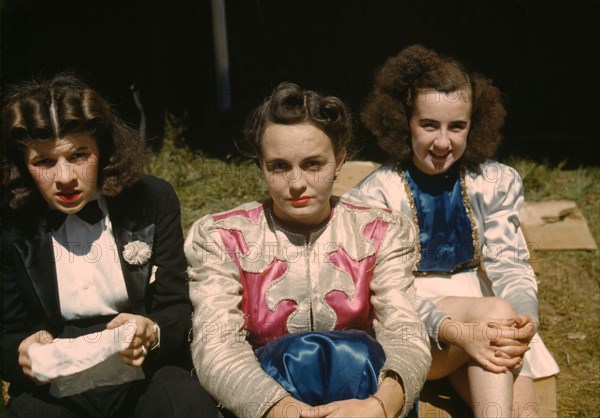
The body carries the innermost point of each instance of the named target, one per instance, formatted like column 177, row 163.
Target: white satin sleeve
column 397, row 325
column 504, row 249
column 224, row 361
column 384, row 188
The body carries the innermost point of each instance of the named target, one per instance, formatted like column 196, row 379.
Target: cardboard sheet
column 556, row 225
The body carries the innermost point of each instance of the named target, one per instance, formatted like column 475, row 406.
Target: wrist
column 155, row 342
column 278, row 406
column 381, row 404
column 393, row 375
column 452, row 332
column 391, row 393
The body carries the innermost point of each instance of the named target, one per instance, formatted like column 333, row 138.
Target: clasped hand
column 40, row 337
column 498, row 345
column 289, row 407
column 141, row 334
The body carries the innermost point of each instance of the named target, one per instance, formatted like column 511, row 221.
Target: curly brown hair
column 289, row 104
column 387, row 110
column 47, row 110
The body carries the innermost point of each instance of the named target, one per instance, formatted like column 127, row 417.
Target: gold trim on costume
column 413, row 209
column 474, row 230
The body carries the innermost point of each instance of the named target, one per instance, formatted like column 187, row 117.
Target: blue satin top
column 445, row 229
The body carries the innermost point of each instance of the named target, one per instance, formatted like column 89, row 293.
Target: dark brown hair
column 388, row 108
column 290, row 105
column 51, row 109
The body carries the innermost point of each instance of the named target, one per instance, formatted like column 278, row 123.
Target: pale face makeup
column 65, row 170
column 299, row 165
column 439, row 128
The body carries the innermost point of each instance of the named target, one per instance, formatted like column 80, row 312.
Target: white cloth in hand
column 75, row 365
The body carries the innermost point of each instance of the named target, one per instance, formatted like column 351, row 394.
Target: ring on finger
column 144, row 351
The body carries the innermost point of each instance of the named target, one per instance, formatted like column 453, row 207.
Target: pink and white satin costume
column 251, row 281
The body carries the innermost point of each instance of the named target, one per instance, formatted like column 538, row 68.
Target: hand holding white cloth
column 75, row 365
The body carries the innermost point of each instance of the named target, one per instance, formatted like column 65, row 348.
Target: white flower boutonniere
column 137, row 253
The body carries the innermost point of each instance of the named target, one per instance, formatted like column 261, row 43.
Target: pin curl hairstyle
column 389, row 105
column 37, row 111
column 289, row 104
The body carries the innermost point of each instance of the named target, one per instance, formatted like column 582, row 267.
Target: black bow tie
column 91, row 213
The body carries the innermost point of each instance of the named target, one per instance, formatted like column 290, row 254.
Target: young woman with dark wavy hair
column 304, row 303
column 92, row 247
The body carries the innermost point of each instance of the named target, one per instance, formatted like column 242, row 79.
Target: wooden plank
column 439, row 400
column 545, row 391
column 351, row 173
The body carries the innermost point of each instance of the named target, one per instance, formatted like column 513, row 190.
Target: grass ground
column 569, row 290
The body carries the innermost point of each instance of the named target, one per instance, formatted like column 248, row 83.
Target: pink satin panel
column 262, row 324
column 353, row 206
column 252, row 214
column 356, row 313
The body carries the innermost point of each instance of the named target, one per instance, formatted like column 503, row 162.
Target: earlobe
column 337, row 171
column 340, row 159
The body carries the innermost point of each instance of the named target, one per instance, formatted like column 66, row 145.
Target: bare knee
column 499, row 308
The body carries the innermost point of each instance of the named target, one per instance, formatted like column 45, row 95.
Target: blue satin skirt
column 322, row 367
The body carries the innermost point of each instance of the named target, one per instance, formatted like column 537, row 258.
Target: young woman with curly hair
column 91, row 247
column 476, row 291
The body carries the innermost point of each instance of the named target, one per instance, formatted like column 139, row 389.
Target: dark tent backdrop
column 539, row 52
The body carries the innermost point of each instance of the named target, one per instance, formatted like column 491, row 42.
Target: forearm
column 461, row 334
column 432, row 318
column 235, row 379
column 225, row 362
column 453, row 332
column 391, row 395
column 175, row 324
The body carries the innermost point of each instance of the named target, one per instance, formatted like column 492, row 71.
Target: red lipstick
column 69, row 197
column 301, row 201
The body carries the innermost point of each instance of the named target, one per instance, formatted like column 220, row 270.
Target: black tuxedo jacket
column 149, row 211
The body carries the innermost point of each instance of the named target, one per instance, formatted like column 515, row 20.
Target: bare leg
column 524, row 399
column 460, row 383
column 525, row 402
column 490, row 394
column 472, row 382
column 447, row 361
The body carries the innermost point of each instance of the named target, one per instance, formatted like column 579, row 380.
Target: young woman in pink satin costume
column 477, row 293
column 304, row 303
